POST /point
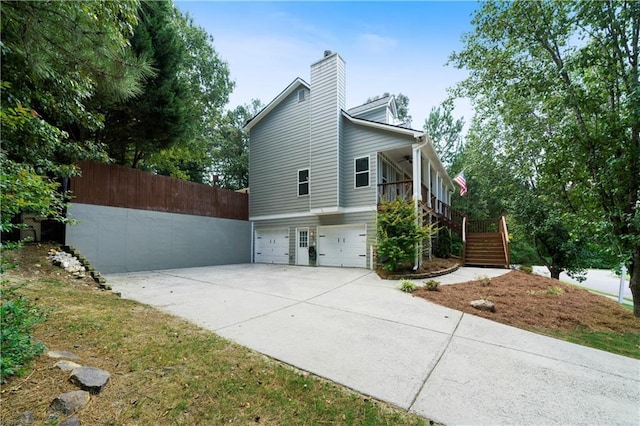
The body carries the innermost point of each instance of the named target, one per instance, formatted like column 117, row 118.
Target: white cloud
column 376, row 43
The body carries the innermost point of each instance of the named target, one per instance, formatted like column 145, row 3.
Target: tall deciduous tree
column 445, row 131
column 57, row 58
column 564, row 76
column 230, row 155
column 208, row 86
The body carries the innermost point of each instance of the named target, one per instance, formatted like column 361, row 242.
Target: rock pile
column 90, row 380
column 68, row 262
column 72, row 261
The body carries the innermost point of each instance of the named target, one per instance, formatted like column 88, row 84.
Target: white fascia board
column 315, row 212
column 280, row 216
column 275, row 102
column 381, row 126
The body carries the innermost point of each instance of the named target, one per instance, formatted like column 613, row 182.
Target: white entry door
column 272, row 246
column 344, row 245
column 302, row 246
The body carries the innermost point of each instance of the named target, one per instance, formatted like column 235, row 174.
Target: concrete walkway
column 353, row 328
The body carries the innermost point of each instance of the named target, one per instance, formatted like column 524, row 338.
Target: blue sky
column 396, row 47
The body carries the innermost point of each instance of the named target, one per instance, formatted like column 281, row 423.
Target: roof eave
column 382, row 126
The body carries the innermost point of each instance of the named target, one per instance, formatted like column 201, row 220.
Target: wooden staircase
column 485, row 249
column 486, row 243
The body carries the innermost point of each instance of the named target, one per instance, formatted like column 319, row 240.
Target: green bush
column 526, row 269
column 399, row 233
column 432, row 285
column 18, row 317
column 444, row 246
column 407, row 286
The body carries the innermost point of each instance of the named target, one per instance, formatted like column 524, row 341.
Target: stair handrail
column 464, row 239
column 505, row 239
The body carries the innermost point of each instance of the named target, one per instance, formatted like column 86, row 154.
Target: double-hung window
column 362, row 172
column 303, row 182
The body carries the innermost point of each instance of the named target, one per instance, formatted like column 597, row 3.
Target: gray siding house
column 318, row 170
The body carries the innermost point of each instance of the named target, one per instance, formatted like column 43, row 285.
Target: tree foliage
column 556, row 84
column 158, row 117
column 445, row 132
column 57, row 59
column 230, row 154
column 167, row 129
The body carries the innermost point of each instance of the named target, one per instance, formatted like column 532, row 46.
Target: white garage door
column 272, row 246
column 342, row 246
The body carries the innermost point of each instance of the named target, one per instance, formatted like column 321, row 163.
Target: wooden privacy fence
column 117, row 186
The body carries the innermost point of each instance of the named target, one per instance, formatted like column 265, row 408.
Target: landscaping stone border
column 423, row 275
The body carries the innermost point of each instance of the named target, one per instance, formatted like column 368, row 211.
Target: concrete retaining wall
column 118, row 239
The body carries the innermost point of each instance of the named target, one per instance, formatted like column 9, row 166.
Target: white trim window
column 301, row 95
column 361, row 167
column 303, row 182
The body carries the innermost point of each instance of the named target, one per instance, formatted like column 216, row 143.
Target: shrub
column 18, row 317
column 485, row 280
column 526, row 269
column 431, row 285
column 444, row 244
column 399, row 233
column 407, row 286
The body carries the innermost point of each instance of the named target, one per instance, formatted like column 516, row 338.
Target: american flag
column 462, row 183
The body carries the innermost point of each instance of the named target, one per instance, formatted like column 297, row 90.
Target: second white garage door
column 342, row 246
column 272, row 246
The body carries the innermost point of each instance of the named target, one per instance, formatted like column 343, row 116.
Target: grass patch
column 165, row 370
column 626, row 344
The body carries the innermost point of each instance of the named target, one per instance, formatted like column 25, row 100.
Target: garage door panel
column 342, row 246
column 272, row 246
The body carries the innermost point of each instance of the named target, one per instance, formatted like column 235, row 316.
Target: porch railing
column 391, row 191
column 440, row 210
column 483, row 225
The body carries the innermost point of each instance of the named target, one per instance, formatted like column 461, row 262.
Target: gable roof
column 399, row 129
column 275, row 102
column 387, row 101
column 383, row 126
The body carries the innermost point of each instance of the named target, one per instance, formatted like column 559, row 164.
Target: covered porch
column 416, row 173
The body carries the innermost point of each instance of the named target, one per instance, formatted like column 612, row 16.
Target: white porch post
column 417, row 196
column 429, row 183
column 417, row 193
column 438, row 188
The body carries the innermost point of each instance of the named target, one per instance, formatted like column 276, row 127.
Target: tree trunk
column 555, row 272
column 634, row 282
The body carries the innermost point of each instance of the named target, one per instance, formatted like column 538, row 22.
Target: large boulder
column 484, row 305
column 91, row 379
column 70, row 402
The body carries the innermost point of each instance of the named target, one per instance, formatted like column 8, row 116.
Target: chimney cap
column 327, row 53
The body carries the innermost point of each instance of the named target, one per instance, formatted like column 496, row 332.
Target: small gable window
column 303, row 182
column 301, row 95
column 362, row 172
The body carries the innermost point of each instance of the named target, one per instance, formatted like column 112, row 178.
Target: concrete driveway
column 349, row 326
